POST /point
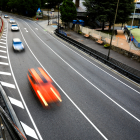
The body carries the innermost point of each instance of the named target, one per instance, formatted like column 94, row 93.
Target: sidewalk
column 92, row 44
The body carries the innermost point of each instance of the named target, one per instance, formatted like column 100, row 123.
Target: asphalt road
column 96, row 103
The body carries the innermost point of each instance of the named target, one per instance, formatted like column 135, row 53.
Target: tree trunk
column 122, row 25
column 103, row 24
column 109, row 26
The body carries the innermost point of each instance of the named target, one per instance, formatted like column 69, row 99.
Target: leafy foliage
column 68, row 11
column 104, row 10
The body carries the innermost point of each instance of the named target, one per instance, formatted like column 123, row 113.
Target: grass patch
column 136, row 34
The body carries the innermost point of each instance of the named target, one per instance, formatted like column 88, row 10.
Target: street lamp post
column 48, row 12
column 113, row 30
column 58, row 17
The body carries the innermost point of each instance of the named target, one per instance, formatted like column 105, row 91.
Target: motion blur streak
column 45, row 103
column 56, row 94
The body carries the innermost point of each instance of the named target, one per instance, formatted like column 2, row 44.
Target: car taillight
column 45, row 103
column 56, row 94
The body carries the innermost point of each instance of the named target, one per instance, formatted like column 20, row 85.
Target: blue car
column 17, row 45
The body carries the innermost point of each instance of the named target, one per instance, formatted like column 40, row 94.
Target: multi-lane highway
column 96, row 103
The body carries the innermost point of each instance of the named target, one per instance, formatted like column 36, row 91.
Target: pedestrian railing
column 120, row 67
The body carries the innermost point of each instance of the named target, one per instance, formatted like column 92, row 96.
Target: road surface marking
column 29, row 131
column 36, row 28
column 7, row 84
column 2, row 63
column 97, row 66
column 3, row 39
column 2, row 46
column 5, row 73
column 16, row 102
column 26, row 29
column 2, row 43
column 21, row 94
column 62, row 89
column 2, row 51
column 85, row 78
column 3, row 56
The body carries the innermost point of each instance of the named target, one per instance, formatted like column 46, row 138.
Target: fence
column 122, row 68
column 116, row 41
column 128, row 32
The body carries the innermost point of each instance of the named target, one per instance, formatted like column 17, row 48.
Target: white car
column 14, row 27
column 12, row 21
column 52, row 10
column 5, row 16
column 17, row 45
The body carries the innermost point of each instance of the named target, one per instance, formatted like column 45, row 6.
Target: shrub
column 106, row 45
column 79, row 32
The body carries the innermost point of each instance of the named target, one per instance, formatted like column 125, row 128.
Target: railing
column 128, row 32
column 120, row 67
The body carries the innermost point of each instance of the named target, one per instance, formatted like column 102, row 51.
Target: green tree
column 104, row 10
column 68, row 11
column 28, row 7
column 125, row 11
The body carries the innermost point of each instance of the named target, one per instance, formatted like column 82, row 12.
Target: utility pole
column 112, row 31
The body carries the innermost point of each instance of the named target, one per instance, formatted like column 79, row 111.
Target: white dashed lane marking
column 7, row 84
column 29, row 131
column 2, row 51
column 3, row 39
column 26, row 29
column 5, row 73
column 2, row 63
column 3, row 47
column 16, row 102
column 2, row 43
column 3, row 56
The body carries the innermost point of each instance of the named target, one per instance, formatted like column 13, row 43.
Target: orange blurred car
column 43, row 86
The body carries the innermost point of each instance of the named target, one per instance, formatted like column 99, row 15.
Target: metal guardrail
column 120, row 67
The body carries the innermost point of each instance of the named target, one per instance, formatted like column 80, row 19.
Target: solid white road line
column 2, row 63
column 16, row 102
column 87, row 79
column 2, row 43
column 5, row 73
column 7, row 85
column 95, row 65
column 2, row 46
column 3, row 56
column 29, row 131
column 21, row 94
column 2, row 51
column 64, row 91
